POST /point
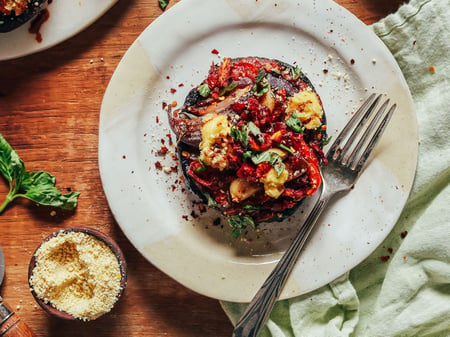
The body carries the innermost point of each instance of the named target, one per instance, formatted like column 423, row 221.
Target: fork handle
column 258, row 311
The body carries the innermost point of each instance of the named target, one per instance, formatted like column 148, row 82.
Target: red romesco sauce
column 36, row 24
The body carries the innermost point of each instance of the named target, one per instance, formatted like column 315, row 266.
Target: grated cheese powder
column 78, row 274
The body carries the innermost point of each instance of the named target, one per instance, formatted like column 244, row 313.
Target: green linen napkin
column 408, row 295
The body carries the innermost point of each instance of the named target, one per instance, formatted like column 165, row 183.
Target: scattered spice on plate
column 78, row 274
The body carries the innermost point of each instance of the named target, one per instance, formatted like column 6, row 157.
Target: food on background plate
column 250, row 139
column 14, row 13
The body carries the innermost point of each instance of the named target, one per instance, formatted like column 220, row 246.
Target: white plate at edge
column 162, row 219
column 67, row 18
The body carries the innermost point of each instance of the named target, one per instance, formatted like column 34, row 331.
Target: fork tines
column 366, row 125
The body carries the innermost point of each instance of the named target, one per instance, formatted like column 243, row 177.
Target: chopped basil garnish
column 242, row 135
column 284, row 147
column 264, row 88
column 251, row 127
column 260, row 75
column 240, row 224
column 326, row 140
column 296, row 73
column 239, row 136
column 204, row 90
column 210, row 200
column 202, row 168
column 227, row 89
column 295, row 123
column 250, row 208
column 271, row 157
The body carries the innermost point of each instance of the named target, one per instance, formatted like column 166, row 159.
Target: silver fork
column 345, row 164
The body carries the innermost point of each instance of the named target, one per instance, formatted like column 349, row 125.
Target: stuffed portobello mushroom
column 14, row 13
column 250, row 139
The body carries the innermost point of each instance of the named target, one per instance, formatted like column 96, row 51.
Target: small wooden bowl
column 96, row 234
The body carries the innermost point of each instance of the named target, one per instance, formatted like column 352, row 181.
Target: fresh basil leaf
column 227, row 89
column 240, row 224
column 36, row 186
column 251, row 127
column 5, row 159
column 210, row 201
column 247, row 154
column 326, row 140
column 295, row 123
column 202, row 168
column 204, row 90
column 284, row 147
column 265, row 88
column 163, row 4
column 40, row 187
column 268, row 156
column 296, row 73
column 17, row 170
column 250, row 208
column 239, row 136
column 271, row 157
column 260, row 75
column 279, row 168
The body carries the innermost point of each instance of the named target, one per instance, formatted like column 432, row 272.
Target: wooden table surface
column 49, row 113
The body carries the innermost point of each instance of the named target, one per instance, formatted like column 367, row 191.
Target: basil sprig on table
column 240, row 224
column 36, row 186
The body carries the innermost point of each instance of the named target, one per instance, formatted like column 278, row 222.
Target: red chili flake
column 325, row 71
column 390, row 250
column 215, row 51
column 163, row 150
column 432, row 69
column 174, row 169
column 158, row 165
column 173, row 90
column 181, row 85
column 403, row 234
column 173, row 187
column 164, row 105
column 124, row 157
column 168, row 77
column 37, row 22
column 169, row 137
column 352, row 61
column 414, row 42
column 185, row 217
column 157, row 119
column 385, row 258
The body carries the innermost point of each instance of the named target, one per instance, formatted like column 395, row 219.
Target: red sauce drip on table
column 37, row 23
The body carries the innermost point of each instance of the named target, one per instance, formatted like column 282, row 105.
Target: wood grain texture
column 49, row 112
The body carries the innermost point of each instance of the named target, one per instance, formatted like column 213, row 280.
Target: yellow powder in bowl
column 76, row 273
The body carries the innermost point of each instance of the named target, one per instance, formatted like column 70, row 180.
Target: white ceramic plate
column 67, row 18
column 163, row 221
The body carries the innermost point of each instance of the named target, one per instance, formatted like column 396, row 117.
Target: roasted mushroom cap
column 214, row 160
